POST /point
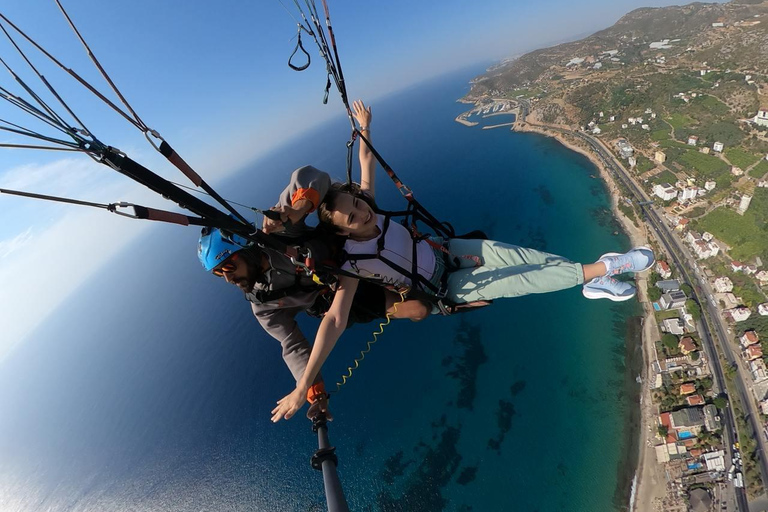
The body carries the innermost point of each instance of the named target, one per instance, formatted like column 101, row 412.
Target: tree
column 720, row 402
column 663, row 431
column 670, row 341
column 686, row 288
column 695, row 355
column 693, row 308
column 654, row 293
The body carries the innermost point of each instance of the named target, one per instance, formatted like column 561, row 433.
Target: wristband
column 315, row 391
column 363, row 128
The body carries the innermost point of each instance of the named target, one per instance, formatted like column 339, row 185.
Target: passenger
column 474, row 270
column 278, row 293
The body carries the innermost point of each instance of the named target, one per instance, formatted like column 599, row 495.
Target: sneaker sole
column 620, row 253
column 605, row 295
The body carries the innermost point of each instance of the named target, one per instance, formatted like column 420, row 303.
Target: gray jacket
column 278, row 317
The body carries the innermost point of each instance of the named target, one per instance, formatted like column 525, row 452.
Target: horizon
column 289, row 103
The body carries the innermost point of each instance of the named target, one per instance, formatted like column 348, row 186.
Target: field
column 680, row 121
column 662, row 134
column 745, row 234
column 740, row 158
column 708, row 166
column 664, row 177
column 759, row 170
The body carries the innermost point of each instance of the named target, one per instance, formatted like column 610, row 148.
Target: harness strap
column 299, row 46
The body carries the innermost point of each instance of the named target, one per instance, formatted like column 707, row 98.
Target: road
column 710, row 323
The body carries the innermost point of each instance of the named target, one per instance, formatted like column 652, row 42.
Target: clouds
column 8, row 247
column 39, row 272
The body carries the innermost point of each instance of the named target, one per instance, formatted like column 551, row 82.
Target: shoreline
column 648, row 483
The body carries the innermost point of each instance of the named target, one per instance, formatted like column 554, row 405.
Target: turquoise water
column 151, row 388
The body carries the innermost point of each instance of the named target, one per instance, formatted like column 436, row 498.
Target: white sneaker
column 636, row 260
column 605, row 287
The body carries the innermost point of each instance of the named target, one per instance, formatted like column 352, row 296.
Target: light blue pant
column 507, row 271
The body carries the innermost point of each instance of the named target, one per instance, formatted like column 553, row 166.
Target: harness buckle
column 405, row 190
column 303, row 261
column 113, row 207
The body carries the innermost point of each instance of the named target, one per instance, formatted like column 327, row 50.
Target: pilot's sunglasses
column 227, row 267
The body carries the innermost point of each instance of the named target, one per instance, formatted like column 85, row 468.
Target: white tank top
column 398, row 248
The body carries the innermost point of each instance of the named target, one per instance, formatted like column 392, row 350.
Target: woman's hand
column 288, row 405
column 362, row 114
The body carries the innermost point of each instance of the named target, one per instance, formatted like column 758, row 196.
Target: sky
column 213, row 80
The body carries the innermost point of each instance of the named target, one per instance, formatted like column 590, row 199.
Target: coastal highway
column 701, row 293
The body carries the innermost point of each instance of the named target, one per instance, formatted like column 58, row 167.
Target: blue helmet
column 215, row 246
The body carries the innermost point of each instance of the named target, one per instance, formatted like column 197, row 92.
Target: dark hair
column 327, row 207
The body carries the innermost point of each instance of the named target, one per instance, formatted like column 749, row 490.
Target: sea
column 151, row 388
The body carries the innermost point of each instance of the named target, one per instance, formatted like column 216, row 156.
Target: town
column 679, row 124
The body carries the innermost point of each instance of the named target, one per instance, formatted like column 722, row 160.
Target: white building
column 737, row 171
column 744, row 204
column 666, row 191
column 673, row 326
column 710, row 185
column 757, row 369
column 717, row 146
column 660, row 157
column 663, row 269
column 693, row 140
column 739, row 314
column 687, row 194
column 632, row 161
column 715, row 461
column 704, row 250
column 723, row 285
column 762, row 276
column 762, row 309
column 625, row 149
column 761, row 118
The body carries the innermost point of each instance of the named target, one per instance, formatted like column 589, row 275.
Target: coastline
column 648, row 484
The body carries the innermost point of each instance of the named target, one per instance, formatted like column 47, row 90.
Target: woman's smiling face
column 353, row 216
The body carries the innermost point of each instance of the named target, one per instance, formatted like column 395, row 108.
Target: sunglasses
column 227, row 267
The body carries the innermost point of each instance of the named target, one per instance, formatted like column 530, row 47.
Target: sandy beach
column 650, row 481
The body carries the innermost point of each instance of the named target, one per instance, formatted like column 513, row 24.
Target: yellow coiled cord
column 376, row 334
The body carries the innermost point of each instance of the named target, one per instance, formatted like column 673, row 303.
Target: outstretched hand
column 288, row 405
column 362, row 114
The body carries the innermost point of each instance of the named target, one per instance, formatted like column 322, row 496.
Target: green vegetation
column 740, row 158
column 712, row 104
column 759, row 170
column 654, row 294
column 749, row 293
column 629, row 211
column 663, row 177
column 693, row 308
column 644, row 164
column 680, row 121
column 720, row 402
column 670, row 313
column 662, row 134
column 723, row 131
column 708, row 166
column 673, row 144
column 747, row 234
column 756, row 323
